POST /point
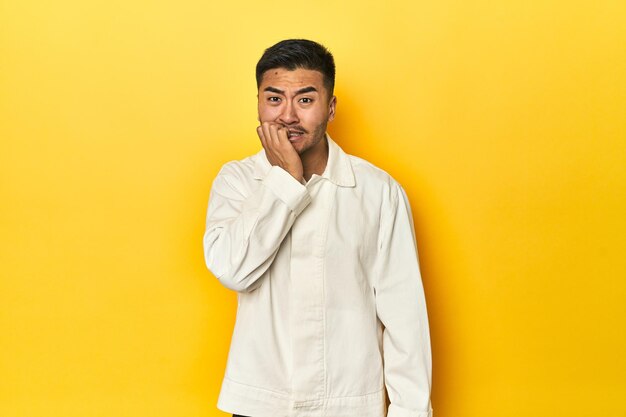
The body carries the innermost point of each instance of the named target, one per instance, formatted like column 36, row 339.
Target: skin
column 294, row 110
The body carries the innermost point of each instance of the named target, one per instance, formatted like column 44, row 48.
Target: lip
column 294, row 138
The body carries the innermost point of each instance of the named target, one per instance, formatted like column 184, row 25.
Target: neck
column 314, row 160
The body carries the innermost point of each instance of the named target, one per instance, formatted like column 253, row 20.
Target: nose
column 288, row 114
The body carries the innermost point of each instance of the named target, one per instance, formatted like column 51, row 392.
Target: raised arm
column 244, row 230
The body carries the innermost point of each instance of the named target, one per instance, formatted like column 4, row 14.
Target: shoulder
column 374, row 178
column 236, row 175
column 239, row 167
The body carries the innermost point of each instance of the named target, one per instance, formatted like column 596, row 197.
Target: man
column 320, row 247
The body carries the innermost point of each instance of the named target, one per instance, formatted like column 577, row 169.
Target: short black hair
column 298, row 53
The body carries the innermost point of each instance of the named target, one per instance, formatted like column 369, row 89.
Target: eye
column 306, row 100
column 274, row 99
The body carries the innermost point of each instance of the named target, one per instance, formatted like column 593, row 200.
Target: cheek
column 316, row 117
column 267, row 113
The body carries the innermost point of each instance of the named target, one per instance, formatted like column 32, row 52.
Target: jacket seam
column 278, row 393
column 288, row 396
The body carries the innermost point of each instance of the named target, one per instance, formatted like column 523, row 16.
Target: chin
column 302, row 147
column 300, row 151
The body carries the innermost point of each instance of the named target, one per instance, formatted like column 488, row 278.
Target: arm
column 244, row 230
column 401, row 307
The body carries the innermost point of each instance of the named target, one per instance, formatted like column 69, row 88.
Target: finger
column 263, row 138
column 259, row 132
column 269, row 154
column 274, row 135
column 283, row 137
column 265, row 126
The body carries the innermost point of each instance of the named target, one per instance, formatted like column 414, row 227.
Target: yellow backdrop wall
column 504, row 121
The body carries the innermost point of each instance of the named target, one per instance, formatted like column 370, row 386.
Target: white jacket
column 331, row 313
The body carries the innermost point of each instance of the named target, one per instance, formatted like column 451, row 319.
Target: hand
column 279, row 151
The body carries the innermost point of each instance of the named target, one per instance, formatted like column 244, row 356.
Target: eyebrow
column 300, row 91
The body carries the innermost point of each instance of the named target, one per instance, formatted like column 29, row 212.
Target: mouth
column 294, row 134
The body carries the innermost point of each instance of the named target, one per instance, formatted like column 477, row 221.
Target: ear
column 331, row 108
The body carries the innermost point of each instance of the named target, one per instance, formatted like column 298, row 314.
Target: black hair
column 298, row 53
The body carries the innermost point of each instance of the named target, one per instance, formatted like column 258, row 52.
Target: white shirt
column 331, row 313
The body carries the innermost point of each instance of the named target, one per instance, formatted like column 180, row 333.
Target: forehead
column 288, row 79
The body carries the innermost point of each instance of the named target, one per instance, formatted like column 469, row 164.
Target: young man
column 320, row 247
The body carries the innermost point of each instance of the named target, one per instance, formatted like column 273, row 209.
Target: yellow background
column 504, row 121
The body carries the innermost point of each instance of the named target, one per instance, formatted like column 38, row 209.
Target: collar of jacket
column 338, row 167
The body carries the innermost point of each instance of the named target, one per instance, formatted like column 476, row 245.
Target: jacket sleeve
column 244, row 228
column 401, row 307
